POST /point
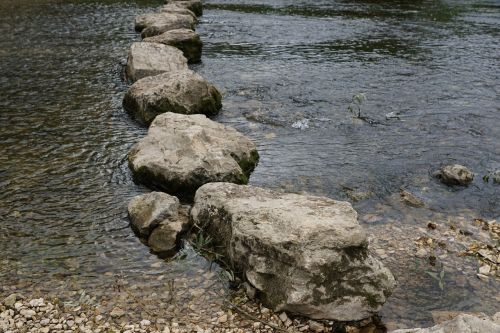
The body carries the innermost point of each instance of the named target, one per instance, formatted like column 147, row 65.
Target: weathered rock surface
column 159, row 218
column 183, row 92
column 180, row 153
column 186, row 40
column 461, row 324
column 411, row 199
column 193, row 5
column 167, row 236
column 455, row 175
column 157, row 23
column 304, row 254
column 172, row 8
column 148, row 59
column 147, row 211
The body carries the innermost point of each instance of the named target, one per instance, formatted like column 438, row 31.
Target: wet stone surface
column 429, row 72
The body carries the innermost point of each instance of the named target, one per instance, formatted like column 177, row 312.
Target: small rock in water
column 455, row 174
column 392, row 115
column 10, row 300
column 147, row 211
column 301, row 124
column 410, row 199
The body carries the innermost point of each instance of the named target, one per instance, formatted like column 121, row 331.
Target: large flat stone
column 183, row 92
column 180, row 153
column 157, row 23
column 186, row 40
column 148, row 59
column 304, row 254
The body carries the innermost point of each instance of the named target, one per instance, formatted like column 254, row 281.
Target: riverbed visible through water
column 288, row 71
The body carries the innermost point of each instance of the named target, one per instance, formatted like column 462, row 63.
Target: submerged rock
column 455, row 174
column 157, row 217
column 186, row 40
column 183, row 92
column 157, row 23
column 148, row 59
column 304, row 254
column 411, row 199
column 461, row 324
column 180, row 153
column 193, row 5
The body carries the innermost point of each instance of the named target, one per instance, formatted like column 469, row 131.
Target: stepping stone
column 148, row 59
column 193, row 5
column 304, row 254
column 186, row 40
column 183, row 92
column 180, row 153
column 157, row 23
column 172, row 8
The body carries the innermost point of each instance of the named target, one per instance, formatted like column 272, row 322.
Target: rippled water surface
column 429, row 70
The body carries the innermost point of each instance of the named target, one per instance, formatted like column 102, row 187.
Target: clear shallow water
column 64, row 137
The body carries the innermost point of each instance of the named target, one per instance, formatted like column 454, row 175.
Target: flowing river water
column 288, row 70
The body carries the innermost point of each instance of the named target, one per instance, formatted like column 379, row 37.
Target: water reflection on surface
column 64, row 136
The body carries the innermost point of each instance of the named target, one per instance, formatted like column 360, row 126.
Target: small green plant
column 355, row 105
column 201, row 242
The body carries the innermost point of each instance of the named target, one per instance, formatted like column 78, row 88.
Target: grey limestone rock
column 304, row 254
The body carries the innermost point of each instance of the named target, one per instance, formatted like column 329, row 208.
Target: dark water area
column 429, row 71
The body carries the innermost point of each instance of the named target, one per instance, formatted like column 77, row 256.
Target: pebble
column 117, row 312
column 10, row 300
column 36, row 302
column 421, row 253
column 315, row 326
column 483, row 277
column 223, row 318
column 484, row 270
